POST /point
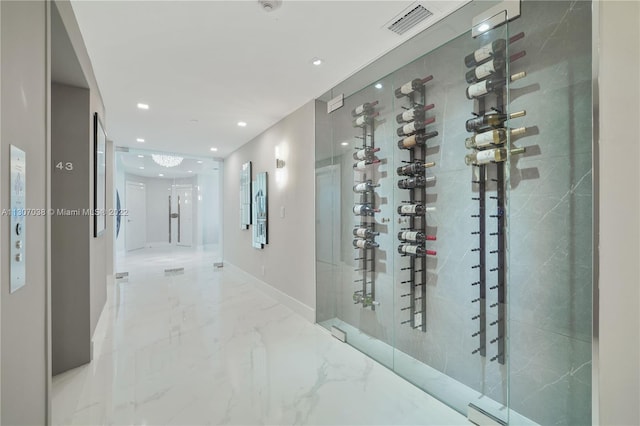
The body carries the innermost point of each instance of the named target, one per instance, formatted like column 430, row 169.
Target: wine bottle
column 415, row 182
column 479, row 90
column 410, row 87
column 364, row 210
column 495, row 66
column 488, row 51
column 491, row 121
column 364, row 186
column 415, row 168
column 365, row 154
column 361, row 165
column 364, row 244
column 364, row 233
column 412, row 114
column 415, row 250
column 415, row 236
column 492, row 137
column 365, row 119
column 414, row 126
column 414, row 209
column 418, row 139
column 497, row 155
column 365, row 108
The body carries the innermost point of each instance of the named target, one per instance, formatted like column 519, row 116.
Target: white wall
column 24, row 114
column 619, row 325
column 287, row 263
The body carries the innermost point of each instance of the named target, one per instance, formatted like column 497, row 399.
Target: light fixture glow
column 140, row 156
column 344, row 143
column 316, row 61
column 160, row 174
column 143, row 106
column 140, row 140
column 242, row 124
column 484, row 27
column 378, row 86
column 214, row 149
column 167, row 160
column 189, row 171
column 141, row 168
column 199, row 161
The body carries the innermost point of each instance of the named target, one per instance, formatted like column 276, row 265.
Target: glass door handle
column 170, row 219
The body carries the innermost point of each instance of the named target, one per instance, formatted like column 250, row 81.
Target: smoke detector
column 270, row 5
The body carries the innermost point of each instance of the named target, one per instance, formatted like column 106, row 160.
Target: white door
column 327, row 194
column 182, row 222
column 136, row 222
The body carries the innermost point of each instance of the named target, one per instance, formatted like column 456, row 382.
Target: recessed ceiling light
column 143, row 106
column 378, row 86
column 242, row 124
column 189, row 171
column 344, row 143
column 484, row 27
column 141, row 168
column 214, row 149
column 316, row 61
column 140, row 140
column 199, row 161
column 160, row 174
column 140, row 156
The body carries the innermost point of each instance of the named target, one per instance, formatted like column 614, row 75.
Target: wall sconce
column 280, row 163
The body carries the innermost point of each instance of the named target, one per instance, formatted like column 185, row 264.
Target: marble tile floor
column 206, row 348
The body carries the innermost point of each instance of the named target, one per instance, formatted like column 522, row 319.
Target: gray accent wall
column 24, row 108
column 287, row 262
column 70, row 238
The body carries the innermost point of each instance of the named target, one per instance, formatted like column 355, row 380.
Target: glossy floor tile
column 203, row 347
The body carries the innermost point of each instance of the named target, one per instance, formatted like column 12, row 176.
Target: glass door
column 173, row 211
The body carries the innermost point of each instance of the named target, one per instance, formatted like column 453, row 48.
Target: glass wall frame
column 546, row 377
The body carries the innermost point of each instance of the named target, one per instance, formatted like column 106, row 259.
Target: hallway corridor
column 205, row 347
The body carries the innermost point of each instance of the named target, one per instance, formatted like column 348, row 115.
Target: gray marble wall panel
column 548, row 377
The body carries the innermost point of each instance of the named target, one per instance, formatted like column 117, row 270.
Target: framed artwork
column 260, row 208
column 99, row 177
column 245, row 195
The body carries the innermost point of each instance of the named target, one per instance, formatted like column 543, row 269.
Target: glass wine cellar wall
column 454, row 218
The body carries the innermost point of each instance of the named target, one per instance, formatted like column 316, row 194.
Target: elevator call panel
column 18, row 213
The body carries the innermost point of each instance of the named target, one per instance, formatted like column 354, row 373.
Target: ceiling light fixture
column 140, row 140
column 344, row 143
column 270, row 5
column 167, row 160
column 242, row 124
column 143, row 106
column 316, row 61
column 199, row 161
column 484, row 27
column 189, row 171
column 140, row 156
column 214, row 149
column 141, row 168
column 160, row 174
column 378, row 86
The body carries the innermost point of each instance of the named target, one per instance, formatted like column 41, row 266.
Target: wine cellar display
column 364, row 232
column 413, row 211
column 490, row 145
column 458, row 225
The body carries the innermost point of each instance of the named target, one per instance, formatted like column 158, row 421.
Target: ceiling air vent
column 408, row 19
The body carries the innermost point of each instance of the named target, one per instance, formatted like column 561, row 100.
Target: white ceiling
column 220, row 62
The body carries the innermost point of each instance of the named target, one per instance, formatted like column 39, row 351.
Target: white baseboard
column 295, row 305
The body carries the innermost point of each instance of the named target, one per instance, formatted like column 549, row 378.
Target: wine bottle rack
column 417, row 269
column 497, row 220
column 366, row 255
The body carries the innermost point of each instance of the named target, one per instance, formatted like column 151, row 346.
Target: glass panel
column 171, row 210
column 521, row 349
